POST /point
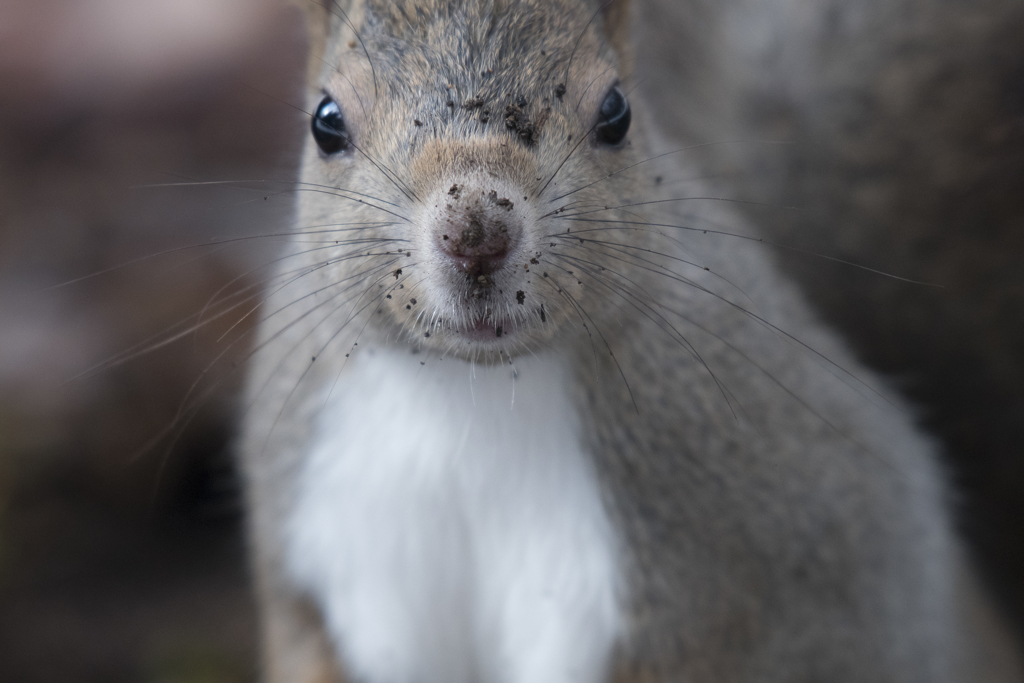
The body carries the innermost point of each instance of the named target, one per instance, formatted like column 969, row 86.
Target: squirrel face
column 451, row 140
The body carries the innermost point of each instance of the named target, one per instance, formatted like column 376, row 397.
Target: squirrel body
column 530, row 407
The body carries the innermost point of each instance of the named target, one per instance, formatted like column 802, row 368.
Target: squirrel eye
column 614, row 119
column 329, row 127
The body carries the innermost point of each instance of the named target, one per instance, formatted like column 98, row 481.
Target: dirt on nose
column 473, row 236
column 477, row 226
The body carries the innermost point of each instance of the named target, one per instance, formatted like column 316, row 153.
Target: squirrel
column 531, row 400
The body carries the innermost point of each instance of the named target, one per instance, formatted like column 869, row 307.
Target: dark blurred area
column 121, row 552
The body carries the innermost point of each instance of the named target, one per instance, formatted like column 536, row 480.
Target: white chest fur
column 450, row 526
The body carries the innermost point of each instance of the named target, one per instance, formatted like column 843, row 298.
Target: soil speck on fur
column 503, row 202
column 518, row 121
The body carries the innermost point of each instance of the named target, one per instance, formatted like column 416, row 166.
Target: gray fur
column 784, row 519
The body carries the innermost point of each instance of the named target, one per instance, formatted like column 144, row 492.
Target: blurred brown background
column 120, row 562
column 117, row 562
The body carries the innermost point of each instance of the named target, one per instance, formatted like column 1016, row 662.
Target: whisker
column 550, row 281
column 298, row 382
column 382, row 297
column 580, row 39
column 237, row 184
column 624, row 248
column 386, row 172
column 685, row 199
column 604, row 340
column 597, row 78
column 337, row 70
column 660, row 321
column 759, row 240
column 661, row 156
column 186, row 412
column 583, row 138
column 172, row 334
column 366, row 52
column 763, row 321
column 796, row 397
column 201, row 245
column 318, row 267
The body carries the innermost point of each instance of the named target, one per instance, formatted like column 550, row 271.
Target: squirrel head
column 450, row 142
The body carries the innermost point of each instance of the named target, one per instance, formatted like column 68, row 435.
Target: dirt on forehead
column 472, row 67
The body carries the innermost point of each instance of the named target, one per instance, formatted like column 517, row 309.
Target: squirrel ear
column 616, row 23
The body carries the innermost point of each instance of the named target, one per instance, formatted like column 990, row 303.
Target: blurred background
column 121, row 554
column 121, row 560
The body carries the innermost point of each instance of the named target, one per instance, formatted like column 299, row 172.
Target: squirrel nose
column 476, row 229
column 476, row 245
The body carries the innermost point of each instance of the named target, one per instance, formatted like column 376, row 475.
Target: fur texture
column 773, row 514
column 468, row 540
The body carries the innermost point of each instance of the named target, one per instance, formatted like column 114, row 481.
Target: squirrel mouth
column 487, row 329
